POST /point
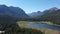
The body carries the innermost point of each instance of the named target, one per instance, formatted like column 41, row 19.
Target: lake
column 45, row 26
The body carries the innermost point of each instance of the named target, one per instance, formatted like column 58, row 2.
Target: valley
column 14, row 20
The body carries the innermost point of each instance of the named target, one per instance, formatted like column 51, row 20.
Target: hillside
column 9, row 16
column 53, row 16
column 15, row 12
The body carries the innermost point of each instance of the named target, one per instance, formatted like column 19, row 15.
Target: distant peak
column 3, row 5
column 54, row 8
column 38, row 11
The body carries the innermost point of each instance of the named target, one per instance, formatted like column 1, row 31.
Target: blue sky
column 30, row 6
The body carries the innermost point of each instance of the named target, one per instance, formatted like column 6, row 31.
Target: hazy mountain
column 35, row 14
column 39, row 13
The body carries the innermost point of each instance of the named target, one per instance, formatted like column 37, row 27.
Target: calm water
column 45, row 26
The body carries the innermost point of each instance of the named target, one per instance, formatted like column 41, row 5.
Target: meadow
column 22, row 25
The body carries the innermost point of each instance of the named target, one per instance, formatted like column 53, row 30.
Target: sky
column 30, row 6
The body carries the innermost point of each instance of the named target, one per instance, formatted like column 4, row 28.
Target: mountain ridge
column 53, row 16
column 12, row 11
column 39, row 13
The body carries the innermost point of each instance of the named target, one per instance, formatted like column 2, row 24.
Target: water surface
column 45, row 26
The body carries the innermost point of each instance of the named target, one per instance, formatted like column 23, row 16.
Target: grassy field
column 48, row 22
column 43, row 22
column 22, row 25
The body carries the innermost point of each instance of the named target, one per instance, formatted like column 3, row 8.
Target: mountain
column 52, row 15
column 35, row 14
column 9, row 16
column 15, row 12
column 39, row 13
column 50, row 10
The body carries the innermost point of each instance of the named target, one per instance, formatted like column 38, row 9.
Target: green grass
column 48, row 22
column 29, row 22
column 22, row 25
column 26, row 22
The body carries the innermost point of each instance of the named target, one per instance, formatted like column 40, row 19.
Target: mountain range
column 52, row 15
column 35, row 14
column 8, row 14
column 39, row 13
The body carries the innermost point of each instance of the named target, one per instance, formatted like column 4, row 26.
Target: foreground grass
column 24, row 31
column 36, row 22
column 22, row 25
